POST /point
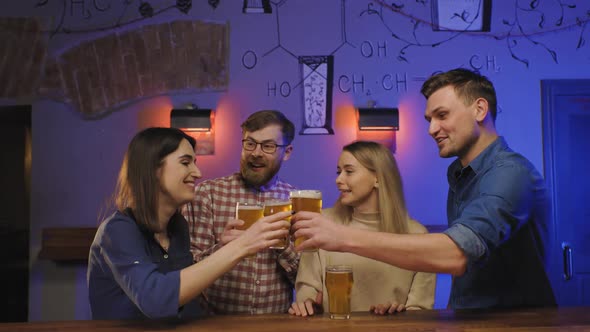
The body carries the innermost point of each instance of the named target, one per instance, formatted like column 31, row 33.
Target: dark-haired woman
column 140, row 265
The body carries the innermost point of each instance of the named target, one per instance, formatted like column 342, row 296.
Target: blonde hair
column 392, row 205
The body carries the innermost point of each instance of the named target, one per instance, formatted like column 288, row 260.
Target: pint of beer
column 306, row 200
column 249, row 213
column 339, row 284
column 275, row 206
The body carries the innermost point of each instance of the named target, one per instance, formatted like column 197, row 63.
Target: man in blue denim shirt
column 497, row 208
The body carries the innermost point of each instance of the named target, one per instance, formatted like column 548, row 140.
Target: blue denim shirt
column 130, row 276
column 497, row 209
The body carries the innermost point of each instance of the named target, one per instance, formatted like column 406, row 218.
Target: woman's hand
column 231, row 231
column 267, row 231
column 308, row 308
column 386, row 309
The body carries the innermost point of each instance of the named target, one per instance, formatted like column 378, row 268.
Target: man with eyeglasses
column 264, row 283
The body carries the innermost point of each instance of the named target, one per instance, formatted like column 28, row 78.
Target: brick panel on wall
column 23, row 54
column 101, row 75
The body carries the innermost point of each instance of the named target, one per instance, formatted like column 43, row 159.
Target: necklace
column 163, row 241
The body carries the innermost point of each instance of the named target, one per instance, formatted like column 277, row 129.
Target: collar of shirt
column 455, row 170
column 176, row 231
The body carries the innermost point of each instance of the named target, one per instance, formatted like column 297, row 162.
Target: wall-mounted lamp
column 199, row 123
column 372, row 118
column 191, row 119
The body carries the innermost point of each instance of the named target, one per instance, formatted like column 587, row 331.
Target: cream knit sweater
column 374, row 282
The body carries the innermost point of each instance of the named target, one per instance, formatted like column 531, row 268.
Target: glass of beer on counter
column 339, row 284
column 275, row 206
column 306, row 200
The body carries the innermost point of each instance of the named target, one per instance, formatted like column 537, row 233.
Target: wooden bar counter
column 559, row 319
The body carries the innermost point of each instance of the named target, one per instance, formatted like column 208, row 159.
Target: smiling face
column 453, row 125
column 258, row 167
column 177, row 176
column 357, row 184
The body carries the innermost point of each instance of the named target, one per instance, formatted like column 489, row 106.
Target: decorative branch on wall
column 213, row 3
column 184, row 5
column 145, row 9
column 517, row 31
column 423, row 33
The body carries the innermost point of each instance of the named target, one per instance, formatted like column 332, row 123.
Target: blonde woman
column 371, row 198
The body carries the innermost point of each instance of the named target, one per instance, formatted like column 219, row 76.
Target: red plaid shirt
column 257, row 285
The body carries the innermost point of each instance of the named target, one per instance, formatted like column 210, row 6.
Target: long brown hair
column 392, row 205
column 138, row 185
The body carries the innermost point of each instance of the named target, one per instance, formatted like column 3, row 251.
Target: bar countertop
column 546, row 319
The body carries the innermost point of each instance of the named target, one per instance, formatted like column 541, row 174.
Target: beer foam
column 339, row 268
column 306, row 194
column 250, row 207
column 277, row 203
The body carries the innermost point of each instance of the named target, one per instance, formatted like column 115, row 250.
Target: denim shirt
column 498, row 212
column 130, row 276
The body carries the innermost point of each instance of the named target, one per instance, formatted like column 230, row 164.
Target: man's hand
column 320, row 231
column 265, row 232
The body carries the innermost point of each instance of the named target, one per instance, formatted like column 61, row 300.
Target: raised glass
column 249, row 213
column 306, row 200
column 275, row 206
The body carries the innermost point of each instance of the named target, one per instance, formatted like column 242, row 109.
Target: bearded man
column 261, row 284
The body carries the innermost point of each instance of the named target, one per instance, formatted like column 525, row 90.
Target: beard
column 258, row 176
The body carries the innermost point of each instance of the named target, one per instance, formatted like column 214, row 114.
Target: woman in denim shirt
column 140, row 265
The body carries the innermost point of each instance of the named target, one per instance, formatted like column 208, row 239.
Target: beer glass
column 306, row 200
column 275, row 206
column 339, row 284
column 249, row 213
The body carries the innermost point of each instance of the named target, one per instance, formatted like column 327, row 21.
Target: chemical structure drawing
column 250, row 58
column 517, row 32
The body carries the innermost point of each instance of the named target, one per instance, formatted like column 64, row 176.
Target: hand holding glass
column 249, row 213
column 306, row 200
column 275, row 206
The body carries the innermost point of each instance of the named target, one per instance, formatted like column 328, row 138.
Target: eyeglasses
column 267, row 147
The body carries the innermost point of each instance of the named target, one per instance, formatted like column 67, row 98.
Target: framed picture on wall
column 461, row 15
column 318, row 76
